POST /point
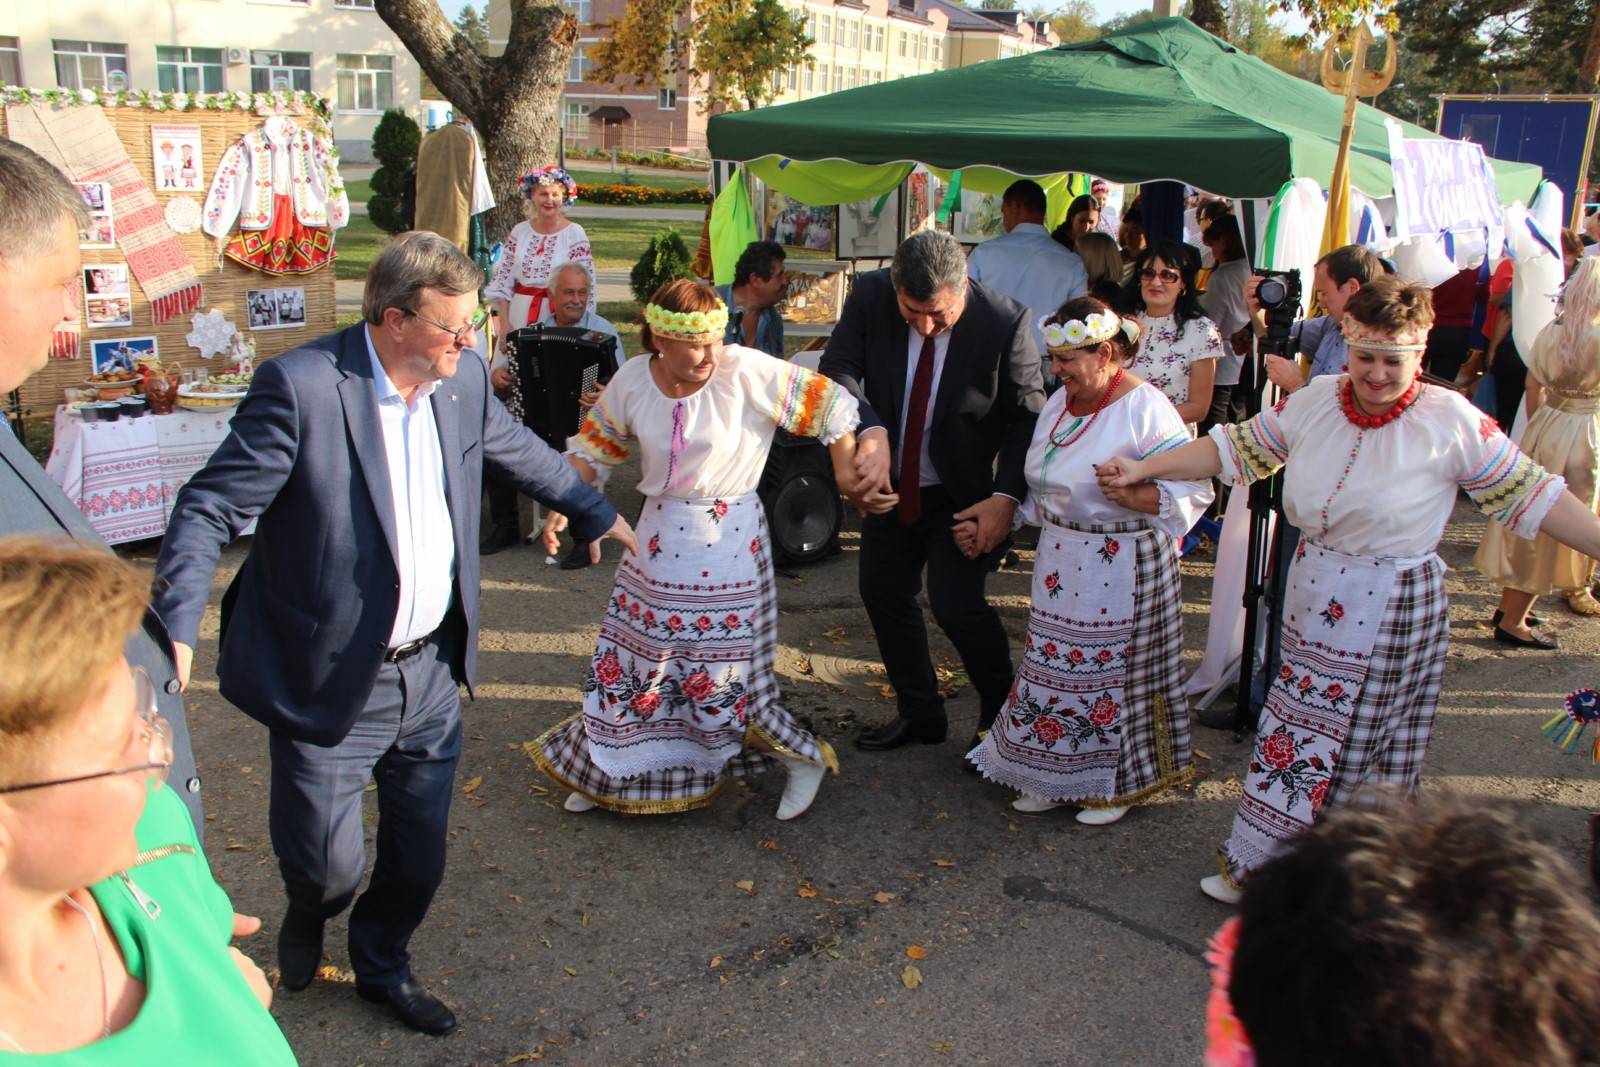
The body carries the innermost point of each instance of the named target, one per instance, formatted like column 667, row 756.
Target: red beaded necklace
column 1347, row 401
column 1084, row 423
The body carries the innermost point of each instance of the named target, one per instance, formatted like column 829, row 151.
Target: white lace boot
column 804, row 780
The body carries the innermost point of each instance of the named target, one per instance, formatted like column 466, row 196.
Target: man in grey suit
column 40, row 213
column 354, row 619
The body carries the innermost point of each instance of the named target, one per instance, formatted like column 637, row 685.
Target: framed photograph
column 121, row 353
column 100, row 232
column 105, row 279
column 175, row 158
column 979, row 218
column 275, row 309
column 918, row 202
column 867, row 231
column 796, row 225
column 816, row 291
column 106, row 312
column 96, row 196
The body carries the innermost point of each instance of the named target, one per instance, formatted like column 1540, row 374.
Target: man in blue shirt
column 759, row 283
column 1026, row 263
column 1339, row 275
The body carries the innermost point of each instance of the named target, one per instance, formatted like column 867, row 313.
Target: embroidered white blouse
column 528, row 258
column 1165, row 353
column 279, row 159
column 1386, row 492
column 714, row 442
column 1062, row 486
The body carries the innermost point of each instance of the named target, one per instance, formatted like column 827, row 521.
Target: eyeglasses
column 151, row 731
column 1166, row 274
column 459, row 335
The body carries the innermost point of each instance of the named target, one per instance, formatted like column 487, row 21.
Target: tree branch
column 442, row 51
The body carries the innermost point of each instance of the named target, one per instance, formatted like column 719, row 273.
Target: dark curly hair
column 1392, row 305
column 1436, row 935
column 1180, row 258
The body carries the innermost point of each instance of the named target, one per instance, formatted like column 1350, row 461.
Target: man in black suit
column 40, row 214
column 948, row 378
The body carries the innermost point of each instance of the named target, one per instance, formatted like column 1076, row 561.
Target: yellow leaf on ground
column 716, row 961
column 942, row 1046
column 916, row 952
column 944, row 863
column 806, row 890
column 747, row 885
column 472, row 785
column 572, row 972
column 910, row 977
column 883, row 898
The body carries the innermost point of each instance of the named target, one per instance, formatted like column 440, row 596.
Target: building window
column 272, row 72
column 822, row 77
column 88, row 64
column 366, row 82
column 838, row 78
column 850, row 78
column 353, row 3
column 808, row 78
column 667, row 100
column 922, row 47
column 575, row 121
column 793, row 79
column 811, row 27
column 902, row 43
column 10, row 61
column 578, row 65
column 938, row 50
column 877, row 38
column 827, row 29
column 850, row 35
column 188, row 70
column 777, row 82
column 582, row 10
column 838, row 31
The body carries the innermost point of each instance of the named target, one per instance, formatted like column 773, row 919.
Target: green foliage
column 665, row 259
column 474, row 27
column 394, row 145
column 1075, row 21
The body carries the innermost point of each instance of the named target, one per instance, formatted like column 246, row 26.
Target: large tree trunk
column 1589, row 72
column 514, row 99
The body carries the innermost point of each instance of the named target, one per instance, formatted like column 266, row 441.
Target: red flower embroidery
column 1076, row 655
column 1334, row 691
column 1049, row 650
column 622, row 600
column 608, row 672
column 1277, row 750
column 699, row 686
column 1280, row 405
column 739, row 711
column 755, row 546
column 1104, row 655
column 1316, row 762
column 1048, row 729
column 633, row 609
column 731, row 621
column 720, row 508
column 1286, row 673
column 649, row 618
column 1052, row 583
column 674, row 622
column 645, row 704
column 1333, row 612
column 1318, row 795
column 703, row 623
column 654, row 545
column 1305, row 684
column 1104, row 712
column 1487, row 427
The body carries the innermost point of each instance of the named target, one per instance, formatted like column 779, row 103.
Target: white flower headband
column 1082, row 333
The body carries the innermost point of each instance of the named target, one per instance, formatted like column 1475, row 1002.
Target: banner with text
column 1441, row 186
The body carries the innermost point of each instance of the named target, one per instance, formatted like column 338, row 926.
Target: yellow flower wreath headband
column 1082, row 333
column 695, row 327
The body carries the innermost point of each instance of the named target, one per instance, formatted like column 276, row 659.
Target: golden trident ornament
column 1350, row 82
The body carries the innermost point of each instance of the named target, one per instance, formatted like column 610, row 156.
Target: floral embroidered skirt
column 681, row 691
column 1097, row 714
column 286, row 246
column 1348, row 715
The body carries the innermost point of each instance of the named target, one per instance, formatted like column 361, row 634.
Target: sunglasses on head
column 1166, row 274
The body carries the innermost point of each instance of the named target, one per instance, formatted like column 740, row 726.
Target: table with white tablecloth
column 125, row 475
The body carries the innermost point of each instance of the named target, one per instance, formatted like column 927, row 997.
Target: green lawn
column 359, row 190
column 357, row 245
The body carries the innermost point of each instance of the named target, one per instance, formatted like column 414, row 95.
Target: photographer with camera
column 1339, row 275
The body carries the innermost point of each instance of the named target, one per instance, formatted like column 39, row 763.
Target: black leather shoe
column 1217, row 717
column 1532, row 620
column 498, row 539
column 416, row 1007
column 577, row 558
column 1506, row 637
column 299, row 951
column 903, row 732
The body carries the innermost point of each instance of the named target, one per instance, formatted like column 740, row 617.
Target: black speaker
column 801, row 499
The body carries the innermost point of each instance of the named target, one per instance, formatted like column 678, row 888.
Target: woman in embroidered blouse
column 1563, row 434
column 114, row 949
column 1372, row 460
column 1179, row 346
column 681, row 692
column 519, row 290
column 1097, row 714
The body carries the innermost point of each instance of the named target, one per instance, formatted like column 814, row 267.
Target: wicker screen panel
column 225, row 282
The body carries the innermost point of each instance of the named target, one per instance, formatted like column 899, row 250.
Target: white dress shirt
column 425, row 546
column 1032, row 268
column 941, row 345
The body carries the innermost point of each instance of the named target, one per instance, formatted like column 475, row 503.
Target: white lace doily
column 183, row 214
column 212, row 334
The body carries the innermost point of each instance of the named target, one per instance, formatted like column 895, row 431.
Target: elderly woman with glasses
column 1180, row 346
column 1097, row 715
column 114, row 949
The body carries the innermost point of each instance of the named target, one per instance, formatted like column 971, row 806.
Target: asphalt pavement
column 723, row 936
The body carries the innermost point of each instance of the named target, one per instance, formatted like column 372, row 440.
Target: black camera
column 1279, row 297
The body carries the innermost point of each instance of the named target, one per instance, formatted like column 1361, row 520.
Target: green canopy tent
column 1163, row 100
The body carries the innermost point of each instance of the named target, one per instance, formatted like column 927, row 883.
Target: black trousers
column 1510, row 382
column 893, row 557
column 407, row 740
column 503, row 506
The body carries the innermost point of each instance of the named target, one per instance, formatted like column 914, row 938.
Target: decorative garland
column 1081, row 333
column 694, row 326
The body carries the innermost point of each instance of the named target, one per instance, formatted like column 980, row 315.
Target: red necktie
column 910, row 506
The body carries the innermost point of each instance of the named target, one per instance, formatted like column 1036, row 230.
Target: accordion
column 555, row 366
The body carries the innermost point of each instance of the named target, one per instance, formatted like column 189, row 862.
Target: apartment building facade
column 340, row 49
column 856, row 42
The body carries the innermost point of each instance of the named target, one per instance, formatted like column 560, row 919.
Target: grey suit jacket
column 307, row 619
column 30, row 503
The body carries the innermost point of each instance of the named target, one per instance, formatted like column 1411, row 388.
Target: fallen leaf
column 572, row 972
column 1012, row 827
column 806, row 890
column 584, row 921
column 513, row 898
column 1049, row 848
column 246, row 770
column 1023, row 922
column 723, row 979
column 942, row 1046
column 910, row 977
column 916, row 952
column 747, row 885
column 716, row 961
column 472, row 785
column 883, row 898
column 545, row 941
column 944, row 863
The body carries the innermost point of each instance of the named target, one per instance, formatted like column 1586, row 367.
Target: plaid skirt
column 681, row 693
column 1347, row 718
column 1097, row 714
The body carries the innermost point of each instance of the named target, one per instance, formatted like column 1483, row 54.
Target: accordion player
column 552, row 367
